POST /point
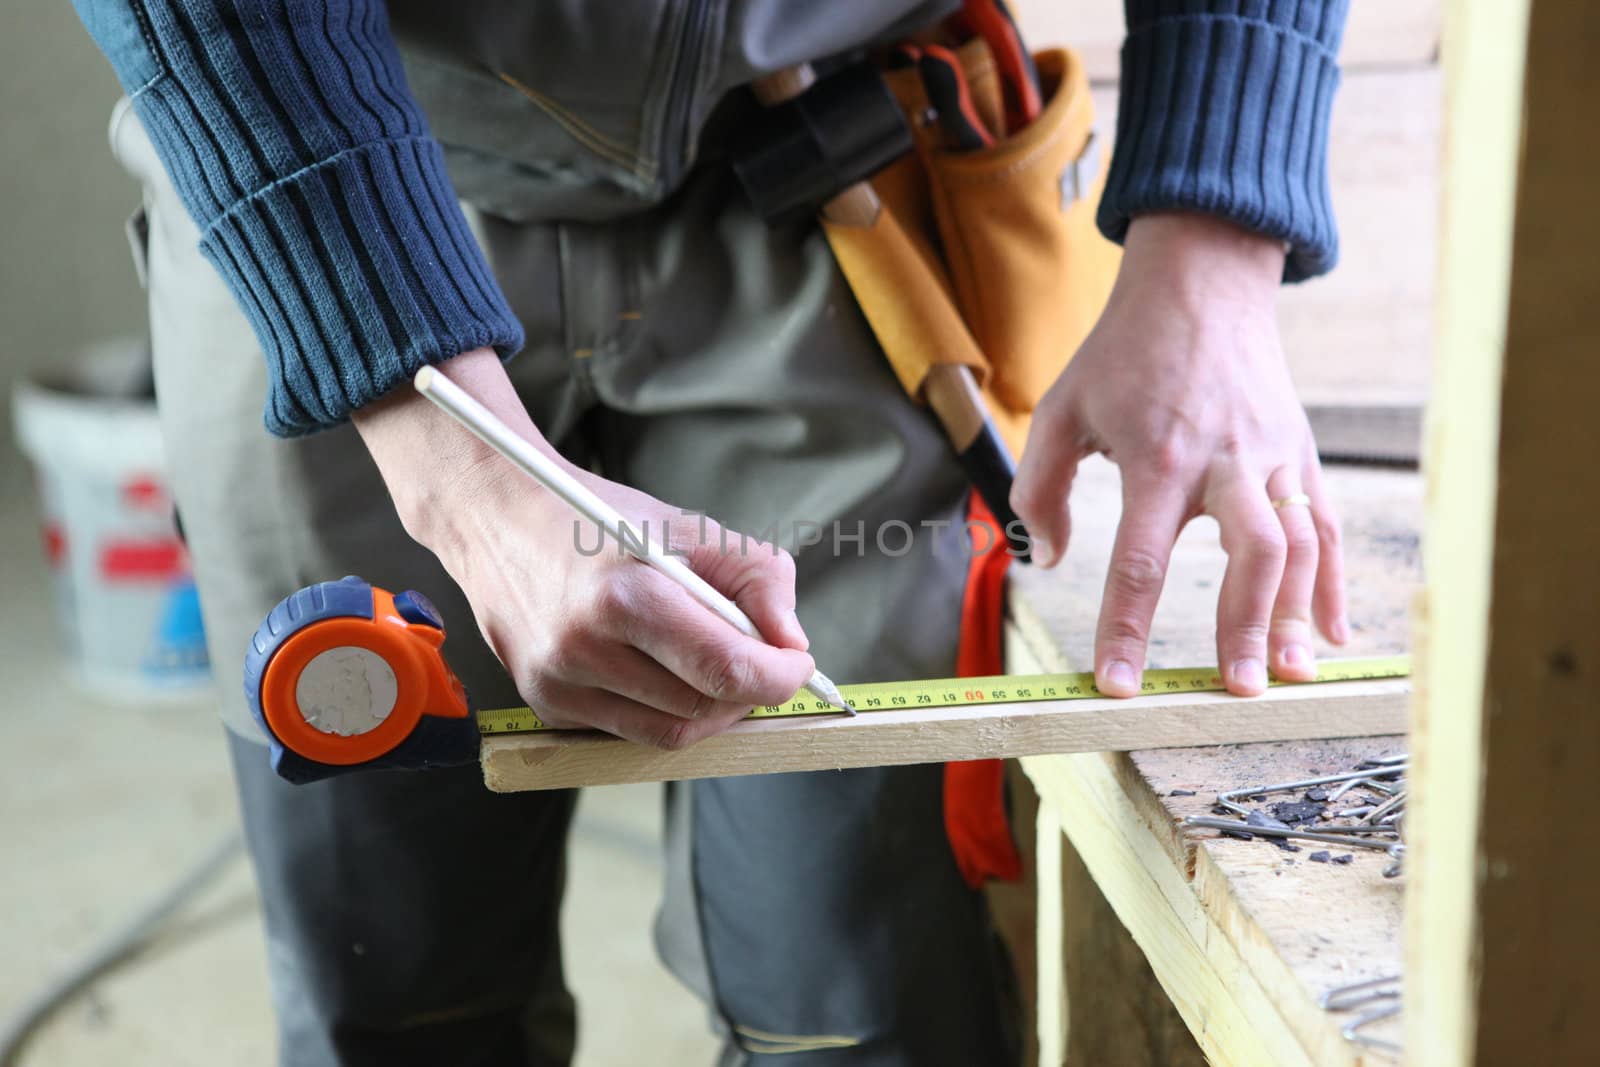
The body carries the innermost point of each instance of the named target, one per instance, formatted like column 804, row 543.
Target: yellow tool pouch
column 990, row 257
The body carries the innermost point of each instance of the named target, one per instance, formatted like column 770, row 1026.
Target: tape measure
column 345, row 676
column 995, row 689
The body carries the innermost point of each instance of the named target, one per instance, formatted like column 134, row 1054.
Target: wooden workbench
column 1241, row 936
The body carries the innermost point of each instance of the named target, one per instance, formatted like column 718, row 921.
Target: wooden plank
column 1398, row 32
column 1087, row 963
column 1050, row 957
column 1367, row 433
column 1363, row 334
column 1301, row 928
column 1295, row 929
column 1484, row 64
column 1013, row 906
column 1188, row 951
column 1503, row 937
column 1123, row 1016
column 567, row 759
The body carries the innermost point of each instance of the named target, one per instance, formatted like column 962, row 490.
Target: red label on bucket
column 55, row 544
column 144, row 491
column 142, row 561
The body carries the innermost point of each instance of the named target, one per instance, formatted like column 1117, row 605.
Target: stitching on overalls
column 795, row 1042
column 639, row 166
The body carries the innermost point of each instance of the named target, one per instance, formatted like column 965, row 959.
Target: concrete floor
column 102, row 806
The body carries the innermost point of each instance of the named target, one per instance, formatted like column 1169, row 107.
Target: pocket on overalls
column 1029, row 269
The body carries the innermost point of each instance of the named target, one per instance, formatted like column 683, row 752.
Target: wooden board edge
column 570, row 759
column 1484, row 58
column 1219, row 997
column 1312, row 1027
column 1050, row 1004
column 1318, row 1031
column 1383, row 433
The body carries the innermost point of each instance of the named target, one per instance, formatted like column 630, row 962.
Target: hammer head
column 805, row 151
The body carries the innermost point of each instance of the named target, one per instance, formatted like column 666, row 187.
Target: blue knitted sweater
column 290, row 134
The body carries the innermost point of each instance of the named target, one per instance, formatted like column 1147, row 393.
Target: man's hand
column 1183, row 385
column 593, row 639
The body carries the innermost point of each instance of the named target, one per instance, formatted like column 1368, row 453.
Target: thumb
column 1044, row 483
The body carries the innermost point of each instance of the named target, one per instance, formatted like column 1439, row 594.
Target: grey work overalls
column 678, row 345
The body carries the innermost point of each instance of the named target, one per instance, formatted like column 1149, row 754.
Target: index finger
column 1151, row 521
column 663, row 621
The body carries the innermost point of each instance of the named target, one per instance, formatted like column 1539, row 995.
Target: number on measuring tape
column 949, row 692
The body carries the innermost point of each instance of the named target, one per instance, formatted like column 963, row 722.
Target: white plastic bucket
column 125, row 597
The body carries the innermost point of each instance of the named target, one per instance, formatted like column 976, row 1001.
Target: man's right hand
column 592, row 639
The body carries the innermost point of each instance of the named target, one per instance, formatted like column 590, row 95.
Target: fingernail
column 1296, row 656
column 1249, row 674
column 1121, row 675
column 1040, row 549
column 1341, row 631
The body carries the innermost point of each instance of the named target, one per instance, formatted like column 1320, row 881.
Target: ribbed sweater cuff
column 355, row 272
column 1227, row 115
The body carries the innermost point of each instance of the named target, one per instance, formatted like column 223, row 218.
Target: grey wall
column 65, row 276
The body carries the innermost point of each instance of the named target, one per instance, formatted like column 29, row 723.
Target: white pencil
column 500, row 437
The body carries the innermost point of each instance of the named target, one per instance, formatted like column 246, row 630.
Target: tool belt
column 985, row 257
column 989, row 258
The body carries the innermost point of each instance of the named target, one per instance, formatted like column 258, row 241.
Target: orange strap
column 974, row 792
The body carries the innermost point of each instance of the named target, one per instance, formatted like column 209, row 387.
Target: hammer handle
column 856, row 206
column 949, row 388
column 785, row 84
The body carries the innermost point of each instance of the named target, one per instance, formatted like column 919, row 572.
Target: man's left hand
column 1182, row 384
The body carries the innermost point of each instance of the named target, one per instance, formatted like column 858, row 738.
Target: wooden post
column 1503, row 934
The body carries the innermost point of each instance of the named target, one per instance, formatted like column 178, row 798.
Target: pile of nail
column 1363, row 808
column 1368, row 1002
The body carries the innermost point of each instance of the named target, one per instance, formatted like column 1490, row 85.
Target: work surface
column 1244, row 937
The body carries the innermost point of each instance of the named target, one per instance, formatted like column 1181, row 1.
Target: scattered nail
column 1181, row 793
column 1348, row 857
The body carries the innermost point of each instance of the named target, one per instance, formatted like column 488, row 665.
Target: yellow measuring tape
column 996, row 689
